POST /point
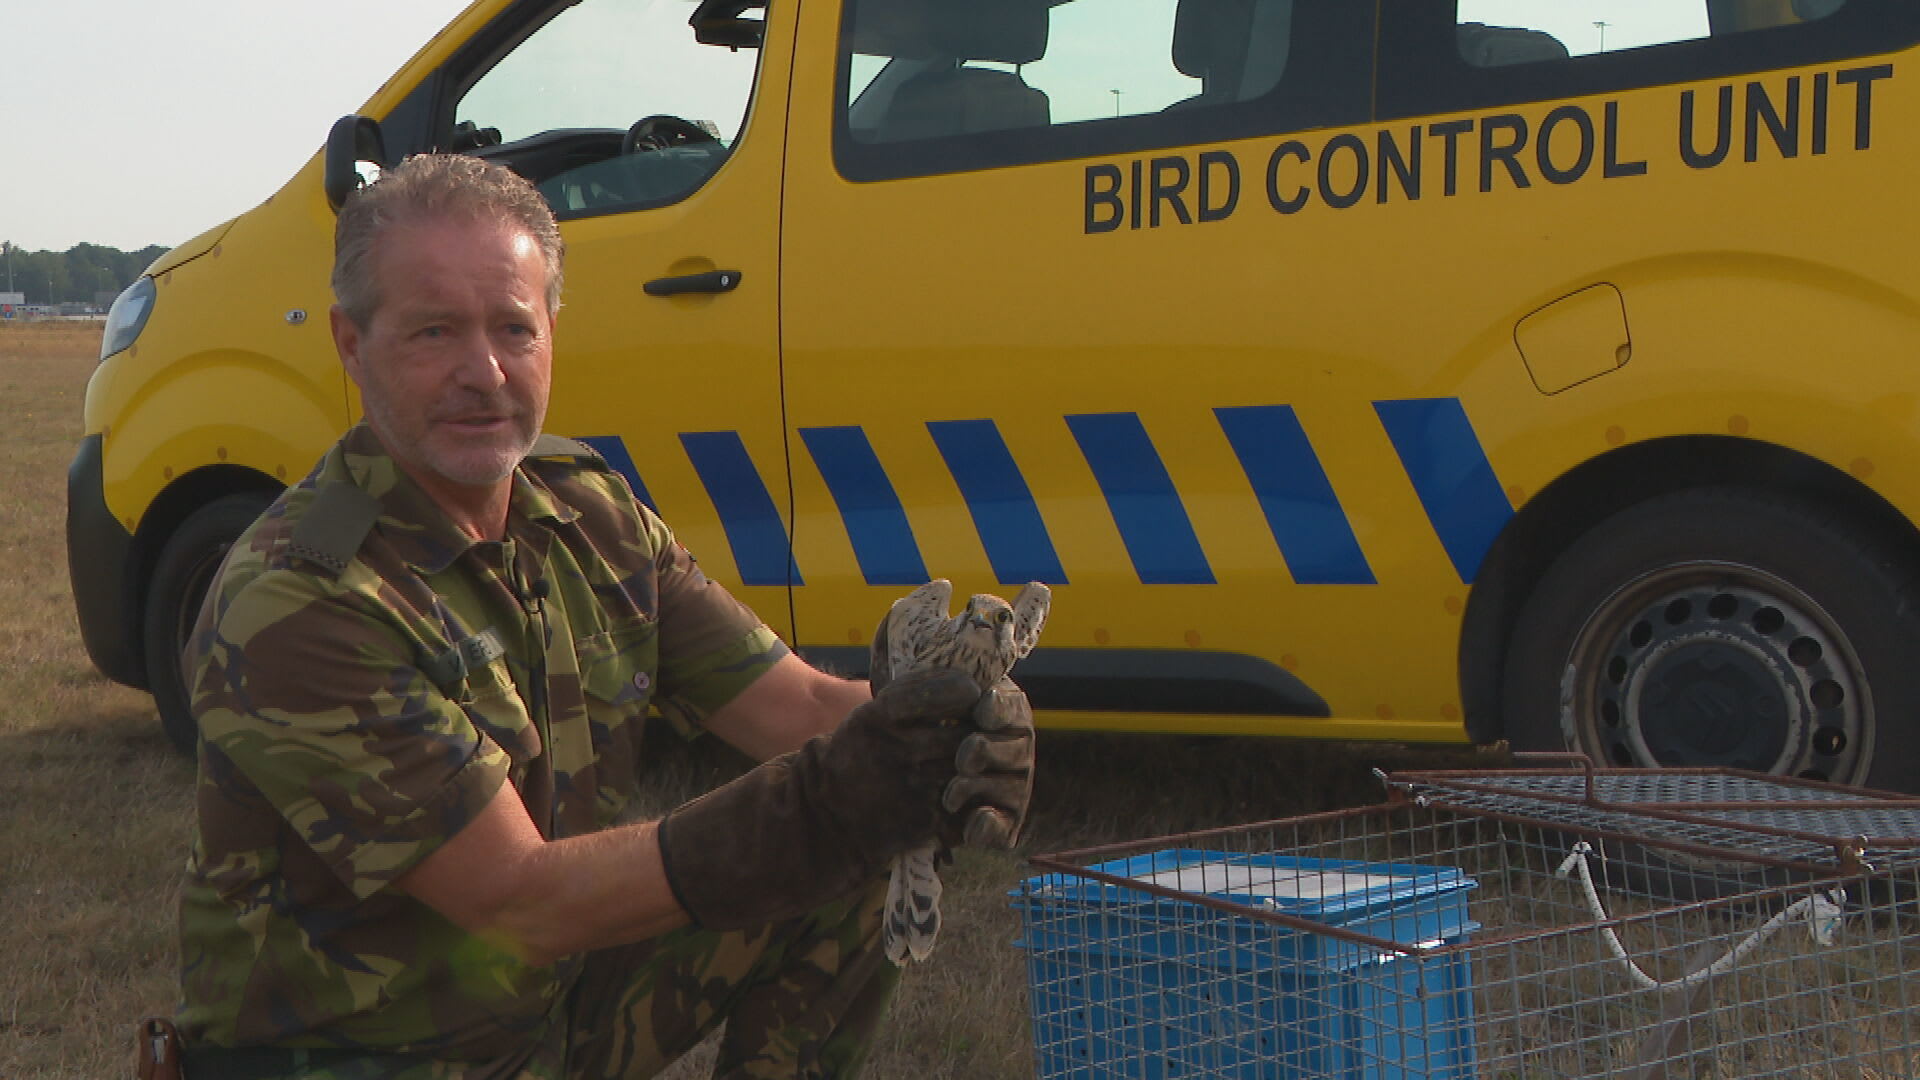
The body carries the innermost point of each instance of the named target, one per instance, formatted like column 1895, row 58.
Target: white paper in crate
column 1265, row 882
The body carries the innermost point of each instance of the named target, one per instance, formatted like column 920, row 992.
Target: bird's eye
column 1004, row 616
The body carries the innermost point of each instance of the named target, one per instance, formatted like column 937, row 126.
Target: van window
column 931, row 86
column 1439, row 57
column 610, row 105
column 1497, row 32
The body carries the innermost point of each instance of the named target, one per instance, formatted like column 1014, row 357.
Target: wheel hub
column 1707, row 700
column 1719, row 666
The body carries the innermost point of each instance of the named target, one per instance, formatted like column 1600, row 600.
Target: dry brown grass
column 94, row 808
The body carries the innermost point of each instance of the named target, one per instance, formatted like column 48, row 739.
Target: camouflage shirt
column 365, row 677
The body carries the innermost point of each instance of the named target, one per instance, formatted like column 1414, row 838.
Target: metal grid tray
column 1777, row 821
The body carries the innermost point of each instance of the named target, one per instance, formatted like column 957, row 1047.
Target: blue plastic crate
column 1129, row 984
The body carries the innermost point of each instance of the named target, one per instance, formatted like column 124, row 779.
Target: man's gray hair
column 435, row 187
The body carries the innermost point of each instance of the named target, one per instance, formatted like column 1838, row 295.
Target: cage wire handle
column 1822, row 912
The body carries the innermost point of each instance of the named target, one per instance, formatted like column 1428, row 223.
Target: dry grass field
column 94, row 808
column 92, row 805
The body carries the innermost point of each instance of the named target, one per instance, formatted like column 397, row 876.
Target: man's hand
column 894, row 759
column 813, row 825
column 995, row 765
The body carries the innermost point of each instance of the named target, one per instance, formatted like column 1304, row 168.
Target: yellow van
column 1416, row 370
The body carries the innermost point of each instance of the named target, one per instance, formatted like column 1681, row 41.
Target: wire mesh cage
column 1530, row 924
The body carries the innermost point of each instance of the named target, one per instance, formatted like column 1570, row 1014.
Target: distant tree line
column 77, row 274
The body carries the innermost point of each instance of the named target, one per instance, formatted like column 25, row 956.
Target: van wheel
column 1723, row 628
column 180, row 578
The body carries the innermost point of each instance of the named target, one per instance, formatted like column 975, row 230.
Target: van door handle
column 711, row 281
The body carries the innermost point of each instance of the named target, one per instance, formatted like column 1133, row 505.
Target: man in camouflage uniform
column 421, row 680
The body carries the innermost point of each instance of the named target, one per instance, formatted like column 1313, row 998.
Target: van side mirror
column 354, row 139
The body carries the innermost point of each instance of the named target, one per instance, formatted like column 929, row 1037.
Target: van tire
column 1651, row 638
column 1661, row 636
column 180, row 578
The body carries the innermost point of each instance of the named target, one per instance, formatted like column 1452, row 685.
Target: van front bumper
column 100, row 568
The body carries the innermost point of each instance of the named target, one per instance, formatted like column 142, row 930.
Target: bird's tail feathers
column 912, row 915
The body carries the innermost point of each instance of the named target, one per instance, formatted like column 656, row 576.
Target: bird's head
column 988, row 616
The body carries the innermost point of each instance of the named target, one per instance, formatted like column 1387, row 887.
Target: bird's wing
column 914, row 622
column 1029, row 615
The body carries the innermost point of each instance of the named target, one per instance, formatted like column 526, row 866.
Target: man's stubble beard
column 415, row 447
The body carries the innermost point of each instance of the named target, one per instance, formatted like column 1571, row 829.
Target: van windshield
column 614, row 104
column 607, row 64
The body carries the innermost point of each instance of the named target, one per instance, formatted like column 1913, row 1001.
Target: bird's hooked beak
column 976, row 619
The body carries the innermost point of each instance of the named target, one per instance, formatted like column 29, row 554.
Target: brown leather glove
column 995, row 762
column 815, row 824
column 995, row 765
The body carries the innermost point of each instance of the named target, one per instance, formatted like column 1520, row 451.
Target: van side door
column 661, row 156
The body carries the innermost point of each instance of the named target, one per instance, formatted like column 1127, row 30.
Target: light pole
column 1116, row 101
column 1602, row 27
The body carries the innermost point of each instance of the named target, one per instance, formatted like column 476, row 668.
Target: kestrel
column 984, row 641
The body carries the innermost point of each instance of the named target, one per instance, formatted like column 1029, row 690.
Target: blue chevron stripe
column 1302, row 511
column 747, row 512
column 869, row 507
column 1146, row 507
column 614, row 449
column 1004, row 513
column 1451, row 475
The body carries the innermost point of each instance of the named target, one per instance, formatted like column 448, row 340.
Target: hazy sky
column 135, row 122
